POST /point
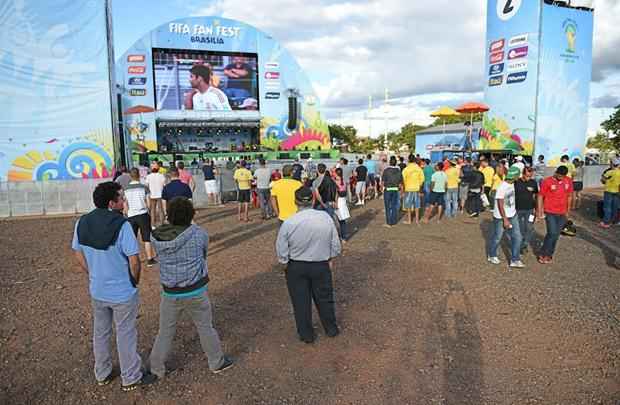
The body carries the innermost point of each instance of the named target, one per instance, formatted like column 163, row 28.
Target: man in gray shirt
column 347, row 172
column 263, row 178
column 306, row 244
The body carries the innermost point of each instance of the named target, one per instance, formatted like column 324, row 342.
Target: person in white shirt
column 203, row 96
column 505, row 219
column 519, row 163
column 137, row 212
column 156, row 181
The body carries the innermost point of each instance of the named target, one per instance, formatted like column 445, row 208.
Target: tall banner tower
column 538, row 71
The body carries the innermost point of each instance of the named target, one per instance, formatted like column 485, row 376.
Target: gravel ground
column 424, row 319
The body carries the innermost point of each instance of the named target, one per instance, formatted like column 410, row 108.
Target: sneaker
column 107, row 380
column 147, row 379
column 473, row 215
column 494, row 260
column 518, row 264
column 333, row 333
column 151, row 262
column 228, row 363
column 544, row 260
column 604, row 225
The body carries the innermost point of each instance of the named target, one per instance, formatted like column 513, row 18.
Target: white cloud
column 414, row 48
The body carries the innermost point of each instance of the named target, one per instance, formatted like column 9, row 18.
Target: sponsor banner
column 517, row 53
column 518, row 40
column 517, row 66
column 272, row 65
column 516, row 77
column 137, row 92
column 272, row 95
column 497, row 46
column 136, row 81
column 496, row 57
column 136, row 70
column 135, row 58
column 273, row 84
column 496, row 69
column 272, row 75
column 496, row 81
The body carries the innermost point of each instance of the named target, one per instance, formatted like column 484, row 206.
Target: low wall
column 75, row 196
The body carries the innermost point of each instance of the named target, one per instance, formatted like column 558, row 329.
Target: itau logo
column 570, row 29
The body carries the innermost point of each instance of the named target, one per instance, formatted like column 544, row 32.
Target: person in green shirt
column 427, row 168
column 439, row 180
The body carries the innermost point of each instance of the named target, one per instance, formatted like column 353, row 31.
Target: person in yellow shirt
column 452, row 192
column 413, row 179
column 565, row 161
column 498, row 177
column 283, row 194
column 243, row 178
column 611, row 197
column 488, row 173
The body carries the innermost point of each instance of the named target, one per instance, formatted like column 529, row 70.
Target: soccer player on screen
column 204, row 96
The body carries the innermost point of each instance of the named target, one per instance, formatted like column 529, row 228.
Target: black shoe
column 307, row 340
column 147, row 379
column 151, row 262
column 108, row 379
column 524, row 250
column 333, row 333
column 228, row 363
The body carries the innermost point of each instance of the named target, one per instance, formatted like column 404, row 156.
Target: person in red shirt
column 553, row 205
column 186, row 177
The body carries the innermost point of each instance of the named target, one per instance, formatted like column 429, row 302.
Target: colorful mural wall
column 55, row 117
column 275, row 69
column 538, row 72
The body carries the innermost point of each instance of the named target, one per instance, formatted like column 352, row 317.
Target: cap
column 303, row 194
column 519, row 158
column 513, row 173
column 616, row 162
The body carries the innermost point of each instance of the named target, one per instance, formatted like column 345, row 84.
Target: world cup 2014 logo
column 570, row 29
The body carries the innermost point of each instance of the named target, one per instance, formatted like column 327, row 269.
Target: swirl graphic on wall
column 76, row 161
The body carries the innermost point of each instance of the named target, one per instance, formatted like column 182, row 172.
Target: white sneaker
column 493, row 260
column 518, row 264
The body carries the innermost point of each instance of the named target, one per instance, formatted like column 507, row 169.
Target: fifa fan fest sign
column 538, row 71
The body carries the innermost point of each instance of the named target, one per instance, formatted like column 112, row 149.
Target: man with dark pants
column 526, row 189
column 307, row 242
column 107, row 250
column 553, row 205
column 393, row 182
column 182, row 248
column 263, row 178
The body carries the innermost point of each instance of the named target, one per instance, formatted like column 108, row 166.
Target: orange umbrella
column 139, row 109
column 471, row 108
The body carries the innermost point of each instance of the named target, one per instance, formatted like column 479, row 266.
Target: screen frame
column 154, row 50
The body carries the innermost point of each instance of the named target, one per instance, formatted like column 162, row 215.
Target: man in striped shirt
column 136, row 209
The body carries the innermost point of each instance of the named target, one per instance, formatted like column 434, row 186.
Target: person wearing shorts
column 209, row 171
column 136, row 209
column 243, row 177
column 413, row 179
column 439, row 180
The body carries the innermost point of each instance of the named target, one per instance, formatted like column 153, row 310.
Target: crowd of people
column 311, row 203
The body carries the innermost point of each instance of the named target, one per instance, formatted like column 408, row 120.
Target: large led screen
column 193, row 80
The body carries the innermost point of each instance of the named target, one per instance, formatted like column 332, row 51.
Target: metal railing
column 75, row 196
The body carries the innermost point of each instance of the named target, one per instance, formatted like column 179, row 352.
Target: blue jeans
column 498, row 232
column 555, row 224
column 525, row 226
column 452, row 202
column 264, row 197
column 611, row 204
column 392, row 206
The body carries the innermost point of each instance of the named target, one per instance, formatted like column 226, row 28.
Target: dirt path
column 424, row 318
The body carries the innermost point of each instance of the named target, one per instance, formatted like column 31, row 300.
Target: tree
column 343, row 135
column 602, row 142
column 612, row 126
column 456, row 119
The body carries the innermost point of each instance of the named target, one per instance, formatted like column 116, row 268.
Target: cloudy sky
column 427, row 53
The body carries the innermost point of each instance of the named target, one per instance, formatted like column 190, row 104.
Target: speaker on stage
column 292, row 113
